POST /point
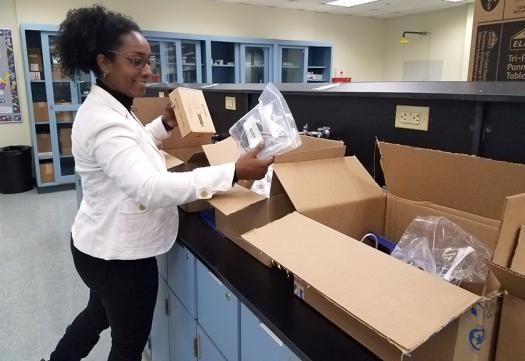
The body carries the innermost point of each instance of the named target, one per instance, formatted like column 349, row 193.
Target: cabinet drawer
column 181, row 277
column 218, row 312
column 182, row 331
column 259, row 343
column 207, row 349
column 159, row 336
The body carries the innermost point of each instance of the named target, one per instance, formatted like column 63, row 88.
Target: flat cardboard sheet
column 403, row 304
column 222, row 152
column 234, row 200
column 468, row 183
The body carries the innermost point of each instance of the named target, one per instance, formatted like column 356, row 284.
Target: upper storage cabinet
column 319, row 64
column 224, row 62
column 292, row 61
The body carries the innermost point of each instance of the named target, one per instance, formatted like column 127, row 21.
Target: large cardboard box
column 311, row 179
column 375, row 298
column 41, row 112
column 47, row 172
column 191, row 111
column 43, row 141
column 498, row 41
column 511, row 336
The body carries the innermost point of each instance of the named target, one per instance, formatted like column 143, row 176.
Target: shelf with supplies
column 53, row 100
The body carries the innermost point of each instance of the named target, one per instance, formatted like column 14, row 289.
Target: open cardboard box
column 392, row 308
column 511, row 334
column 309, row 179
column 182, row 154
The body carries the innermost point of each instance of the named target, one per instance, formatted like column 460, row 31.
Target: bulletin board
column 9, row 99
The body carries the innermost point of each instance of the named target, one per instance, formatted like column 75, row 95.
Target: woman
column 129, row 211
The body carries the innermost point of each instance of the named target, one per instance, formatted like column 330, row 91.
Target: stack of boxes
column 498, row 41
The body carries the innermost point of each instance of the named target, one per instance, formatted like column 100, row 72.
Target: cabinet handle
column 228, row 296
column 187, row 256
column 271, row 334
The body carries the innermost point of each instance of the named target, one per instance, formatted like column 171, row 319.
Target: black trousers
column 122, row 296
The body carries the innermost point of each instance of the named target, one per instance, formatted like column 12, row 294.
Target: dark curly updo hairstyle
column 87, row 32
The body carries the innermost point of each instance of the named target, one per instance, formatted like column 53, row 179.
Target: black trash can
column 16, row 173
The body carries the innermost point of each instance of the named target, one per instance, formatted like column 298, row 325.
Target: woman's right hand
column 249, row 167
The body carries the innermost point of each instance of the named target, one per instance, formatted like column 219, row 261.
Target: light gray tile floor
column 40, row 291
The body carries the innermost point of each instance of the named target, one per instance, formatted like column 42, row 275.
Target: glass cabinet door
column 255, row 64
column 292, row 61
column 171, row 62
column 156, row 53
column 189, row 62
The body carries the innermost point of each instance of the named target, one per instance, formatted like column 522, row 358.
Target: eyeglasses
column 137, row 61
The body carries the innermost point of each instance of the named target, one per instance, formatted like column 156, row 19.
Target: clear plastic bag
column 439, row 246
column 270, row 121
column 263, row 186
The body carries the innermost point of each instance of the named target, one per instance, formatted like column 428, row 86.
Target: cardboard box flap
column 459, row 181
column 312, row 149
column 513, row 218
column 171, row 161
column 510, row 280
column 401, row 303
column 518, row 261
column 148, row 108
column 319, row 184
column 222, row 152
column 235, row 200
column 194, row 154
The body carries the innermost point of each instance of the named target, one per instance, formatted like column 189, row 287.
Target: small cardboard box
column 372, row 296
column 64, row 135
column 191, row 111
column 511, row 335
column 66, row 116
column 43, row 141
column 41, row 112
column 47, row 172
column 181, row 154
column 35, row 59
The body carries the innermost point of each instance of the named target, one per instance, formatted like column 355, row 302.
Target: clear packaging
column 439, row 246
column 270, row 121
column 263, row 186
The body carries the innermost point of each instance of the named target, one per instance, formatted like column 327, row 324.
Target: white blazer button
column 204, row 194
column 142, row 208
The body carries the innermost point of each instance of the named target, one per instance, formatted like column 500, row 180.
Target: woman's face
column 128, row 71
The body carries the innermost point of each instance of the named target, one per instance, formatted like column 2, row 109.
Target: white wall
column 364, row 49
column 450, row 32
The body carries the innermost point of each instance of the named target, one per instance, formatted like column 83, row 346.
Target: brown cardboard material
column 34, row 59
column 191, row 111
column 43, row 141
column 66, row 116
column 498, row 49
column 47, row 172
column 399, row 325
column 402, row 168
column 41, row 112
column 511, row 332
column 296, row 177
column 64, row 135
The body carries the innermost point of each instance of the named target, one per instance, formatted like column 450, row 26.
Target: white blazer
column 129, row 209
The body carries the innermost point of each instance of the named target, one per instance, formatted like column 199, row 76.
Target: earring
column 105, row 75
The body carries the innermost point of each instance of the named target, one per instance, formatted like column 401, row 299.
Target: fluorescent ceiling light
column 349, row 3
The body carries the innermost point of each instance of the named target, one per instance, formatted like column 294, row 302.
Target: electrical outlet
column 410, row 117
column 230, row 103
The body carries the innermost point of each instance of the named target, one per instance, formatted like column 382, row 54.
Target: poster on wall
column 9, row 100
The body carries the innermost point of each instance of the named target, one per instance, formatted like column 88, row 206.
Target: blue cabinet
column 255, row 63
column 218, row 312
column 162, row 265
column 182, row 332
column 292, row 63
column 224, row 62
column 259, row 343
column 182, row 278
column 207, row 350
column 159, row 342
column 319, row 64
column 53, row 99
